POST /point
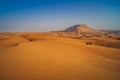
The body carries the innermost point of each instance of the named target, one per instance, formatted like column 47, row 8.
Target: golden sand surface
column 57, row 59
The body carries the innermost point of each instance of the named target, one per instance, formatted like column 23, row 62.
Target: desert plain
column 60, row 55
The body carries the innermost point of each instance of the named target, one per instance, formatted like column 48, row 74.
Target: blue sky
column 47, row 15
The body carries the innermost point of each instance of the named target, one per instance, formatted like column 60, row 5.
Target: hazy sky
column 47, row 15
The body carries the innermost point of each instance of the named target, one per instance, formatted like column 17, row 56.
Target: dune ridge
column 60, row 55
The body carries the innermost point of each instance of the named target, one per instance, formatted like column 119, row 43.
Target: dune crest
column 77, row 53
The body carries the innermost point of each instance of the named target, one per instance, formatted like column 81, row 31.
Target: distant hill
column 81, row 28
column 111, row 31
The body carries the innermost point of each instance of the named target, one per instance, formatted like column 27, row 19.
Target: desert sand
column 77, row 53
column 56, row 58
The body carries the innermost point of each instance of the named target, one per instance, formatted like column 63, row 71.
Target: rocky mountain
column 81, row 28
column 77, row 31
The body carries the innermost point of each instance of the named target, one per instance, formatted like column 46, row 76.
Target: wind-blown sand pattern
column 58, row 59
column 77, row 53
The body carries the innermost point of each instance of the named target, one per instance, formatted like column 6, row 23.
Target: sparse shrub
column 98, row 35
column 16, row 44
column 89, row 43
column 30, row 40
column 110, row 36
column 84, row 35
column 106, row 34
column 118, row 38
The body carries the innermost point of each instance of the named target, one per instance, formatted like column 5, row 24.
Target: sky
column 49, row 15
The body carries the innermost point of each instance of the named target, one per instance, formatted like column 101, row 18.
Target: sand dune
column 59, row 59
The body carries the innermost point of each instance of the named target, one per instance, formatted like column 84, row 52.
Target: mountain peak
column 80, row 25
column 80, row 28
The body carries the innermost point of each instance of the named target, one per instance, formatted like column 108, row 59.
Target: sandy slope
column 59, row 59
